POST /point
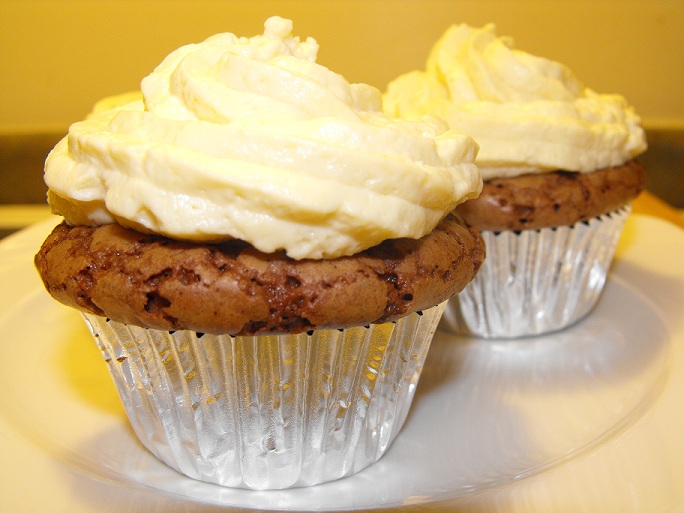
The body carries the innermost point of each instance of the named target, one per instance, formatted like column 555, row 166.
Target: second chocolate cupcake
column 559, row 174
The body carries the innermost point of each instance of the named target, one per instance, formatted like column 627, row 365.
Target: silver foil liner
column 537, row 281
column 268, row 412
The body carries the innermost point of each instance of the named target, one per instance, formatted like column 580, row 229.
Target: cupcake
column 559, row 170
column 262, row 256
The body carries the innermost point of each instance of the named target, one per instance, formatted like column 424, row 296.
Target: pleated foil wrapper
column 534, row 282
column 268, row 412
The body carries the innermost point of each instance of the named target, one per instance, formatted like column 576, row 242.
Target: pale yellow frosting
column 250, row 138
column 527, row 113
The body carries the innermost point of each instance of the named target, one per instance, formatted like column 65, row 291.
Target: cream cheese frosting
column 527, row 113
column 250, row 138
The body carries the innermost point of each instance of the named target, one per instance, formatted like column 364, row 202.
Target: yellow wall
column 57, row 57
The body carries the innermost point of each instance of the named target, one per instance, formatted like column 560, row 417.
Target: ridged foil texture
column 537, row 281
column 268, row 412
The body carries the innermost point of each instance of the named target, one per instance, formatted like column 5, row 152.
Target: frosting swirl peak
column 250, row 138
column 527, row 113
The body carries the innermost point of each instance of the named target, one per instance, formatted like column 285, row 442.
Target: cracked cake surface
column 559, row 198
column 156, row 282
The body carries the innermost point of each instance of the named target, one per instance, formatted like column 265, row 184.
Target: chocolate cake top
column 558, row 198
column 232, row 288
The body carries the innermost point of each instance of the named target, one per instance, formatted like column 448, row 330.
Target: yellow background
column 57, row 57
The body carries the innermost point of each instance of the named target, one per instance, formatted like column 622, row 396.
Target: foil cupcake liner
column 268, row 412
column 537, row 281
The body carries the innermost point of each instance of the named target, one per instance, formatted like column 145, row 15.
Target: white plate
column 587, row 419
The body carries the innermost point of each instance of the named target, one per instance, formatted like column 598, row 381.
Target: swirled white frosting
column 250, row 138
column 527, row 113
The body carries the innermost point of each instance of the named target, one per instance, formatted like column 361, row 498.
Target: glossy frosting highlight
column 527, row 113
column 250, row 138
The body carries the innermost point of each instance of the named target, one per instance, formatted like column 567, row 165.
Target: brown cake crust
column 558, row 198
column 232, row 288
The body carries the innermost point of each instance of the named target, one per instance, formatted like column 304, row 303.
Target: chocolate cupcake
column 559, row 170
column 262, row 256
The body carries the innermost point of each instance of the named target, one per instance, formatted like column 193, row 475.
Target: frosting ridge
column 527, row 113
column 250, row 138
